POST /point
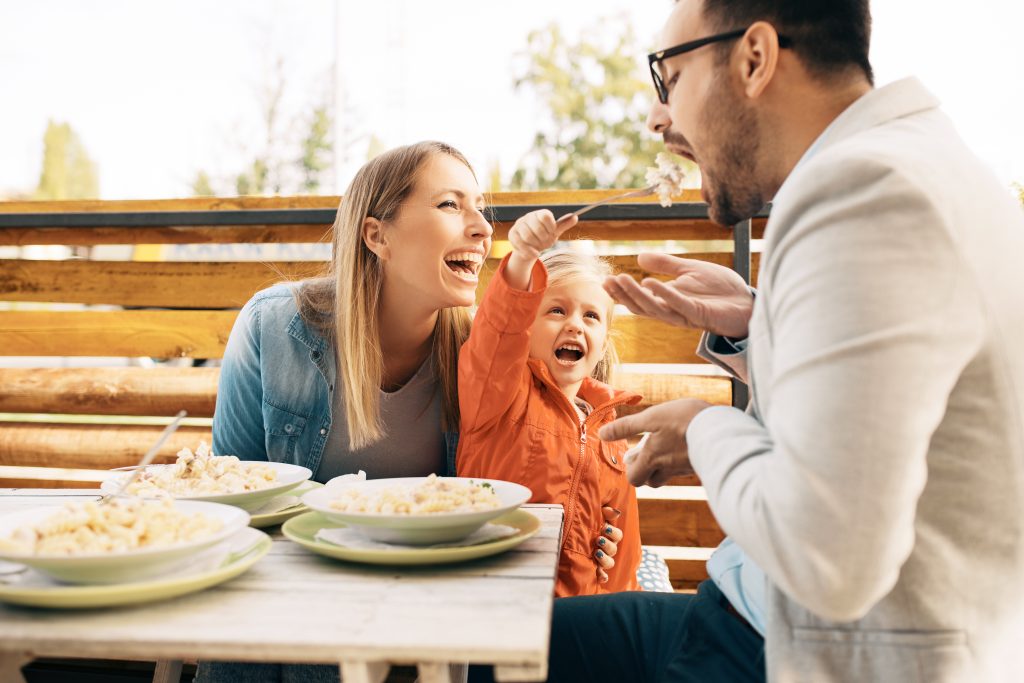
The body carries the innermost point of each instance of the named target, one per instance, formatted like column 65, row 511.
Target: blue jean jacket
column 276, row 384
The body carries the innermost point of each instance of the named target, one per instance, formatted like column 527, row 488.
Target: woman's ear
column 374, row 239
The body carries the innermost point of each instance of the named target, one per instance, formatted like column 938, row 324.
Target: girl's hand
column 537, row 231
column 532, row 234
column 607, row 544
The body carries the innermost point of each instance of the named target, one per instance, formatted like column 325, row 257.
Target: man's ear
column 374, row 239
column 758, row 57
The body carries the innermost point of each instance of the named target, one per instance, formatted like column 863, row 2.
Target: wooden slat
column 157, row 283
column 631, row 230
column 95, row 447
column 157, row 334
column 657, row 388
column 203, row 334
column 170, row 284
column 109, row 391
column 675, row 516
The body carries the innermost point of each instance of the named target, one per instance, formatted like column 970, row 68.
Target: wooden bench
column 62, row 426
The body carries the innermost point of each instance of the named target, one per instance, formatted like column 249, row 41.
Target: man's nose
column 658, row 119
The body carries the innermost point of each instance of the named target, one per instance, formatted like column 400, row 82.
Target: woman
column 357, row 370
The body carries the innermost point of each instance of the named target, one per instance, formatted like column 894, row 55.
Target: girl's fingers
column 612, row 533
column 610, row 514
column 609, row 546
column 604, row 559
column 602, row 575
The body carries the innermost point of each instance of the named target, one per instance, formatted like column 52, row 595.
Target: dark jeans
column 656, row 637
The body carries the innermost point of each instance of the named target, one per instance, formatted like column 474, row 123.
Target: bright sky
column 157, row 90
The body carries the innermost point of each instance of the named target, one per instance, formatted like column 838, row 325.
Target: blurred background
column 123, row 99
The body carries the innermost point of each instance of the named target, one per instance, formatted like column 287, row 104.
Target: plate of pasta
column 203, row 476
column 416, row 510
column 119, row 541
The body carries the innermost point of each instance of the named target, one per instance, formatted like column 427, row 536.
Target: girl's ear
column 374, row 239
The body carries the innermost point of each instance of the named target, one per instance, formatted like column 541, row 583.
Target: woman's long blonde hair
column 343, row 305
column 571, row 266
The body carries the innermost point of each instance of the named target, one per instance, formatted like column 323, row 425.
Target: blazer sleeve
column 492, row 363
column 868, row 318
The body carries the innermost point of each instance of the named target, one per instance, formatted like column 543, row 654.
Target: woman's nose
column 658, row 119
column 478, row 225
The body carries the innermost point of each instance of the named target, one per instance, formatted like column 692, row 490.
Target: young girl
column 532, row 398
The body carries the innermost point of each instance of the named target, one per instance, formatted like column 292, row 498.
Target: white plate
column 422, row 529
column 125, row 566
column 288, row 477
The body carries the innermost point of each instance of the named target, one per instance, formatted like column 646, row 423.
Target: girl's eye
column 592, row 314
column 557, row 310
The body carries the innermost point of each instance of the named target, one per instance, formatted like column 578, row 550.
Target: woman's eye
column 448, row 204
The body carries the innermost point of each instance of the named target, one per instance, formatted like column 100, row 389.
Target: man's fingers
column 621, row 428
column 666, row 264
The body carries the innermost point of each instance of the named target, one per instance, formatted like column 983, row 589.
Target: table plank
column 294, row 606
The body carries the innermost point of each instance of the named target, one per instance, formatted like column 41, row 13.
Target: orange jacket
column 517, row 425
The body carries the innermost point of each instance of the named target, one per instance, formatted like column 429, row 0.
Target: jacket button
column 315, row 355
column 288, row 428
column 615, row 460
column 323, row 432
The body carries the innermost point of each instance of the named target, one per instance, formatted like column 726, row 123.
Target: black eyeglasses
column 655, row 58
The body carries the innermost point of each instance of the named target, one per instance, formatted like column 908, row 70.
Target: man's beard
column 734, row 193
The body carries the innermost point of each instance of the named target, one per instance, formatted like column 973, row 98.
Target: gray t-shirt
column 413, row 443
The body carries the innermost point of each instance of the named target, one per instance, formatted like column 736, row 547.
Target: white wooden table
column 295, row 606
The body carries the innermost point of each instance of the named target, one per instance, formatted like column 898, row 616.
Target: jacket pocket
column 283, row 429
column 883, row 656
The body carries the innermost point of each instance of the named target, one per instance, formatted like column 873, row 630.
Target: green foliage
column 597, row 96
column 68, row 172
column 316, row 149
column 1019, row 189
column 201, row 186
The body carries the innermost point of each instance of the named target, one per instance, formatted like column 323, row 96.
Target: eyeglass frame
column 655, row 58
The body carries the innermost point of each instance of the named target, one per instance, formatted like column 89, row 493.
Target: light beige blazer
column 879, row 477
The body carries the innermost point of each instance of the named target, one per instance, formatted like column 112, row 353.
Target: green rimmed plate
column 274, row 518
column 303, row 530
column 35, row 590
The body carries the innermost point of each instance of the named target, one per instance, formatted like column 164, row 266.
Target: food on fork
column 121, row 524
column 667, row 177
column 431, row 496
column 203, row 473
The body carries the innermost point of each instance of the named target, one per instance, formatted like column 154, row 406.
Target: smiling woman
column 356, row 370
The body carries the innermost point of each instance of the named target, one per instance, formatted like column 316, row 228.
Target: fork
column 147, row 458
column 649, row 190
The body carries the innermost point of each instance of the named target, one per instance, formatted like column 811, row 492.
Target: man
column 878, row 477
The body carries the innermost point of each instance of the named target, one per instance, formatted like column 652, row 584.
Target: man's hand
column 703, row 295
column 664, row 455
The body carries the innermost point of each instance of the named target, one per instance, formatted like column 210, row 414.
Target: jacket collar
column 598, row 394
column 881, row 105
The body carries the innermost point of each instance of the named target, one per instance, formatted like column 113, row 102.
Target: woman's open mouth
column 465, row 264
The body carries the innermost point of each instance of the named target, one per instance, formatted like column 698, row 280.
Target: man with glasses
column 877, row 479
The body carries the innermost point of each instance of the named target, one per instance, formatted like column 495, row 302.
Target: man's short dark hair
column 829, row 36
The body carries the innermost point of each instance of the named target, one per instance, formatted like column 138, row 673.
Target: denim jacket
column 276, row 384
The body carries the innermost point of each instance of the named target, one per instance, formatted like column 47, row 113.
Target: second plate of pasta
column 416, row 510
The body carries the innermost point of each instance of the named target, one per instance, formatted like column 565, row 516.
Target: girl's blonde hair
column 343, row 304
column 573, row 266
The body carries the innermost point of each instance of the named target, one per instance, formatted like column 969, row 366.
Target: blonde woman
column 315, row 372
